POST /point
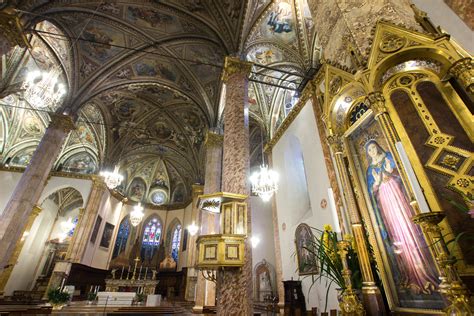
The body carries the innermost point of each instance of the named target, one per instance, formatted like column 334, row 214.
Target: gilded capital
column 197, row 189
column 213, row 139
column 376, row 102
column 98, row 182
column 233, row 65
column 336, row 144
column 11, row 28
column 36, row 210
column 64, row 122
column 463, row 71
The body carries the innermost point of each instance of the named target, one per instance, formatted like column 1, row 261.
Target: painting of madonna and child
column 407, row 256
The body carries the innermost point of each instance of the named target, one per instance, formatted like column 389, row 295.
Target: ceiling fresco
column 143, row 80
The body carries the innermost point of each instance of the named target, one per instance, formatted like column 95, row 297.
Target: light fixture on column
column 254, row 241
column 42, row 88
column 112, row 179
column 265, row 182
column 193, row 229
column 136, row 215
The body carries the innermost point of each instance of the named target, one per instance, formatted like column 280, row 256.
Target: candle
column 146, row 270
column 140, row 273
column 415, row 185
column 121, row 274
column 332, row 204
column 62, row 284
column 91, row 288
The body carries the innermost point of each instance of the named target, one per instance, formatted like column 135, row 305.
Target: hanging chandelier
column 193, row 229
column 112, row 179
column 42, row 89
column 136, row 215
column 264, row 183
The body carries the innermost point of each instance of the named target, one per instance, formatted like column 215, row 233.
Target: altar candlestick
column 62, row 284
column 140, row 273
column 146, row 271
column 412, row 179
column 121, row 274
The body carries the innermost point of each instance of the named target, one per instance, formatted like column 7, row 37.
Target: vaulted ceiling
column 143, row 78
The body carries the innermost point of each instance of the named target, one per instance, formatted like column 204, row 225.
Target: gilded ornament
column 463, row 182
column 439, row 140
column 213, row 139
column 335, row 85
column 11, row 28
column 405, row 80
column 64, row 122
column 233, row 65
column 463, row 71
column 376, row 102
column 392, row 43
column 450, row 161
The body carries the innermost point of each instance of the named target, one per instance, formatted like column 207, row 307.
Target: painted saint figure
column 388, row 197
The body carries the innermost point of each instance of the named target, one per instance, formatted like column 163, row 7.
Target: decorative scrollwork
column 335, row 85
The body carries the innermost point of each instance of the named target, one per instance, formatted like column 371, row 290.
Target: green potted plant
column 140, row 298
column 91, row 296
column 323, row 247
column 58, row 298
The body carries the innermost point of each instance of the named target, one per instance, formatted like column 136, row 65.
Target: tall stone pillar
column 84, row 229
column 209, row 222
column 234, row 286
column 11, row 31
column 192, row 272
column 5, row 275
column 371, row 294
column 14, row 218
column 276, row 240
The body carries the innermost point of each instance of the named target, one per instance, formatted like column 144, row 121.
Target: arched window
column 151, row 238
column 175, row 242
column 122, row 237
column 74, row 222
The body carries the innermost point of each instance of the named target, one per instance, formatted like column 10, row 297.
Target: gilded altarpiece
column 406, row 100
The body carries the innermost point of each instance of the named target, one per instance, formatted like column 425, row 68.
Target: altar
column 140, row 286
column 115, row 298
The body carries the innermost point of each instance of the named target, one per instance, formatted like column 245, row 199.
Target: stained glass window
column 175, row 242
column 74, row 221
column 122, row 237
column 151, row 238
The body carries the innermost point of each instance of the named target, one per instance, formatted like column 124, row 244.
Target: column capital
column 61, row 121
column 336, row 144
column 463, row 71
column 11, row 28
column 376, row 101
column 98, row 182
column 213, row 139
column 197, row 189
column 234, row 65
column 36, row 210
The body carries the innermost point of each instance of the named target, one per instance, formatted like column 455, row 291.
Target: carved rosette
column 233, row 66
column 62, row 122
column 11, row 28
column 463, row 71
column 376, row 102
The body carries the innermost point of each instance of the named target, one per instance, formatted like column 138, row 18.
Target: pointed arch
column 122, row 237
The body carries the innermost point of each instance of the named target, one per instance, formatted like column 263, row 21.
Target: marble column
column 209, row 222
column 276, row 240
column 234, row 286
column 371, row 294
column 83, row 231
column 26, row 195
column 192, row 272
column 5, row 275
column 11, row 31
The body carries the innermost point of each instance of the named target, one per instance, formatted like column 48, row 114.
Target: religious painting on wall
column 306, row 258
column 107, row 235
column 407, row 259
column 80, row 163
column 137, row 189
column 95, row 231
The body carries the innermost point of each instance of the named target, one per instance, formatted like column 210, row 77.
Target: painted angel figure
column 388, row 197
